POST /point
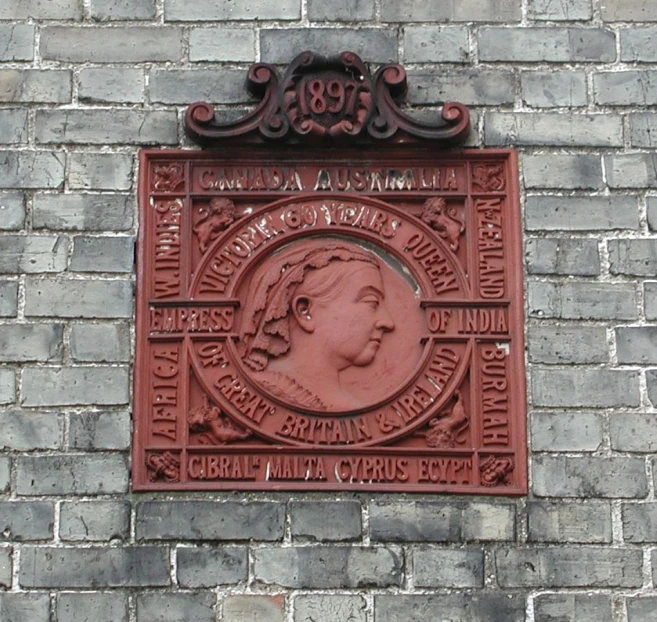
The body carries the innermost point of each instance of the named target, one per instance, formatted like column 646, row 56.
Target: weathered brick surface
column 19, row 607
column 326, row 521
column 211, row 10
column 482, row 87
column 31, row 342
column 579, row 257
column 207, row 567
column 101, row 254
column 18, row 42
column 33, row 85
column 12, row 211
column 176, row 607
column 563, row 171
column 24, row 431
column 424, row 44
column 566, row 431
column 546, row 10
column 329, row 567
column 26, row 254
column 32, row 169
column 207, row 520
column 633, row 257
column 454, row 607
column 100, row 342
column 94, row 520
column 567, row 607
column 567, row 344
column 92, row 607
column 100, row 171
column 330, row 608
column 237, row 44
column 638, row 44
column 569, row 522
column 79, row 212
column 7, row 385
column 110, row 84
column 252, row 608
column 462, row 568
column 569, row 567
column 628, row 11
column 640, row 522
column 634, row 432
column 8, row 298
column 543, row 89
column 114, row 10
column 465, row 11
column 641, row 608
column 99, row 430
column 24, row 521
column 95, row 567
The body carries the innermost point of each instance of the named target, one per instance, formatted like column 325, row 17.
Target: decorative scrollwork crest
column 327, row 99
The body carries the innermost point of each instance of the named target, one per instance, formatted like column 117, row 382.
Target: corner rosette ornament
column 327, row 99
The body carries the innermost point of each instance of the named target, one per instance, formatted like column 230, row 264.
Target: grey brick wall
column 85, row 83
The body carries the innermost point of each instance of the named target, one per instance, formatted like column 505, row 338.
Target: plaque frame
column 204, row 420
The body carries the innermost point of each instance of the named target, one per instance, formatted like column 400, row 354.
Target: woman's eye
column 373, row 301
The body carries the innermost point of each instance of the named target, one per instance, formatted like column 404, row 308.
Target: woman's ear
column 302, row 310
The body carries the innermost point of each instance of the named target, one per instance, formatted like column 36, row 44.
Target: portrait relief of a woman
column 314, row 310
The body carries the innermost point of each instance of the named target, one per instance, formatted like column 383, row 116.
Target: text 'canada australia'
column 343, row 179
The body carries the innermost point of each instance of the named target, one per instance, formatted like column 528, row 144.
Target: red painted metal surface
column 326, row 319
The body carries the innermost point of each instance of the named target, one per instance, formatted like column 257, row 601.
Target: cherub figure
column 443, row 220
column 219, row 214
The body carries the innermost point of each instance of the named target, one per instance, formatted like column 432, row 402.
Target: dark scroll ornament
column 496, row 471
column 327, row 99
column 164, row 466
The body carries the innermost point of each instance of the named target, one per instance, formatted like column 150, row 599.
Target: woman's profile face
column 351, row 323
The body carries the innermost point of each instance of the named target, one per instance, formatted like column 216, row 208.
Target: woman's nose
column 384, row 321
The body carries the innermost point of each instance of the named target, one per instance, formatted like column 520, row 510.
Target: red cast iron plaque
column 330, row 318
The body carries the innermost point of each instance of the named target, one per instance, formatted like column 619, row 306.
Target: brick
column 577, row 256
column 641, row 608
column 209, row 567
column 569, row 522
column 637, row 344
column 635, row 170
column 654, row 568
column 416, row 521
column 643, row 130
column 545, row 89
column 7, row 391
column 17, row 42
column 639, row 522
column 328, row 567
column 592, row 388
column 558, row 129
column 457, row 568
column 341, row 10
column 32, row 169
column 31, row 342
column 59, row 386
column 8, row 298
column 41, row 9
column 566, row 431
column 253, row 609
column 427, row 44
column 633, row 257
column 22, row 522
column 556, row 45
column 102, row 127
column 35, row 86
column 172, row 607
column 559, row 213
column 564, row 171
column 118, row 10
column 651, row 381
column 12, row 211
column 108, row 45
column 102, row 298
column 568, row 476
column 218, row 11
column 92, row 607
column 222, row 44
column 634, row 432
column 450, row 11
column 567, row 344
column 100, row 171
column 72, row 475
column 638, row 45
column 339, row 520
column 5, row 473
column 207, row 520
column 5, row 566
column 371, row 45
column 96, row 254
column 472, row 87
column 628, row 11
column 584, row 300
column 465, row 607
column 330, row 608
column 100, row 342
column 488, row 521
column 569, row 567
column 572, row 607
column 650, row 299
column 20, row 253
column 173, row 86
column 90, row 212
column 13, row 126
column 83, row 521
column 573, row 10
column 17, row 607
column 23, row 431
column 99, row 430
column 624, row 88
column 111, row 84
column 95, row 567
